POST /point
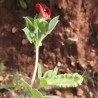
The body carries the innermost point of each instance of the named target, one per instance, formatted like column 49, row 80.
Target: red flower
column 43, row 11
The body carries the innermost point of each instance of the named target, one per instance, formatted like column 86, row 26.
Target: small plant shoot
column 23, row 4
column 36, row 30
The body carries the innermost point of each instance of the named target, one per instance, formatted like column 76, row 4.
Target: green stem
column 36, row 63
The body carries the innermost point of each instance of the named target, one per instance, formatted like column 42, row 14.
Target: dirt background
column 72, row 46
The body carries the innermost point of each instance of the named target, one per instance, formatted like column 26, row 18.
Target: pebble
column 46, row 66
column 58, row 64
column 24, row 41
column 58, row 93
column 14, row 29
column 79, row 92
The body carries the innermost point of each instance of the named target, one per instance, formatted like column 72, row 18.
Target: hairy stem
column 36, row 63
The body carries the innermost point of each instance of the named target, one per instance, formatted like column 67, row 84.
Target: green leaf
column 1, row 78
column 69, row 96
column 27, row 88
column 34, row 93
column 2, row 67
column 37, row 29
column 36, row 23
column 30, row 24
column 43, row 82
column 51, row 73
column 48, row 74
column 39, row 71
column 31, row 29
column 53, row 23
column 23, row 4
column 51, row 96
column 7, row 87
column 66, row 80
column 54, row 72
column 62, row 80
column 28, row 34
column 43, row 26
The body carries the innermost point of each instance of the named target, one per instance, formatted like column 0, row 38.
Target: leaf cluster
column 37, row 29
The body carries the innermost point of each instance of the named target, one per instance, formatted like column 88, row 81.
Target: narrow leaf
column 34, row 93
column 53, row 23
column 48, row 74
column 37, row 94
column 55, row 71
column 43, row 82
column 30, row 23
column 27, row 87
column 51, row 73
column 28, row 34
column 36, row 23
column 7, row 87
column 23, row 4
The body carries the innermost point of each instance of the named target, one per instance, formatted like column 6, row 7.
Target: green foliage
column 28, row 34
column 62, row 80
column 66, row 80
column 17, row 81
column 23, row 4
column 2, row 67
column 7, row 87
column 34, row 93
column 50, row 73
column 37, row 29
column 51, row 96
column 43, row 82
column 83, row 96
column 69, row 96
column 1, row 78
column 43, row 26
column 53, row 23
column 30, row 24
column 29, row 29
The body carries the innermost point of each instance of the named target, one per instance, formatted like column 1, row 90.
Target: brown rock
column 79, row 92
column 14, row 30
column 24, row 41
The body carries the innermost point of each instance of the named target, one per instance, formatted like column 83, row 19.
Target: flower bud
column 43, row 12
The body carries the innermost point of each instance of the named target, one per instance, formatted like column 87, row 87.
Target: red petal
column 38, row 8
column 48, row 11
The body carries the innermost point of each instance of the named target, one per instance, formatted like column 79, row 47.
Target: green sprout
column 23, row 4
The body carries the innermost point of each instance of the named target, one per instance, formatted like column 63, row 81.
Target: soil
column 72, row 46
